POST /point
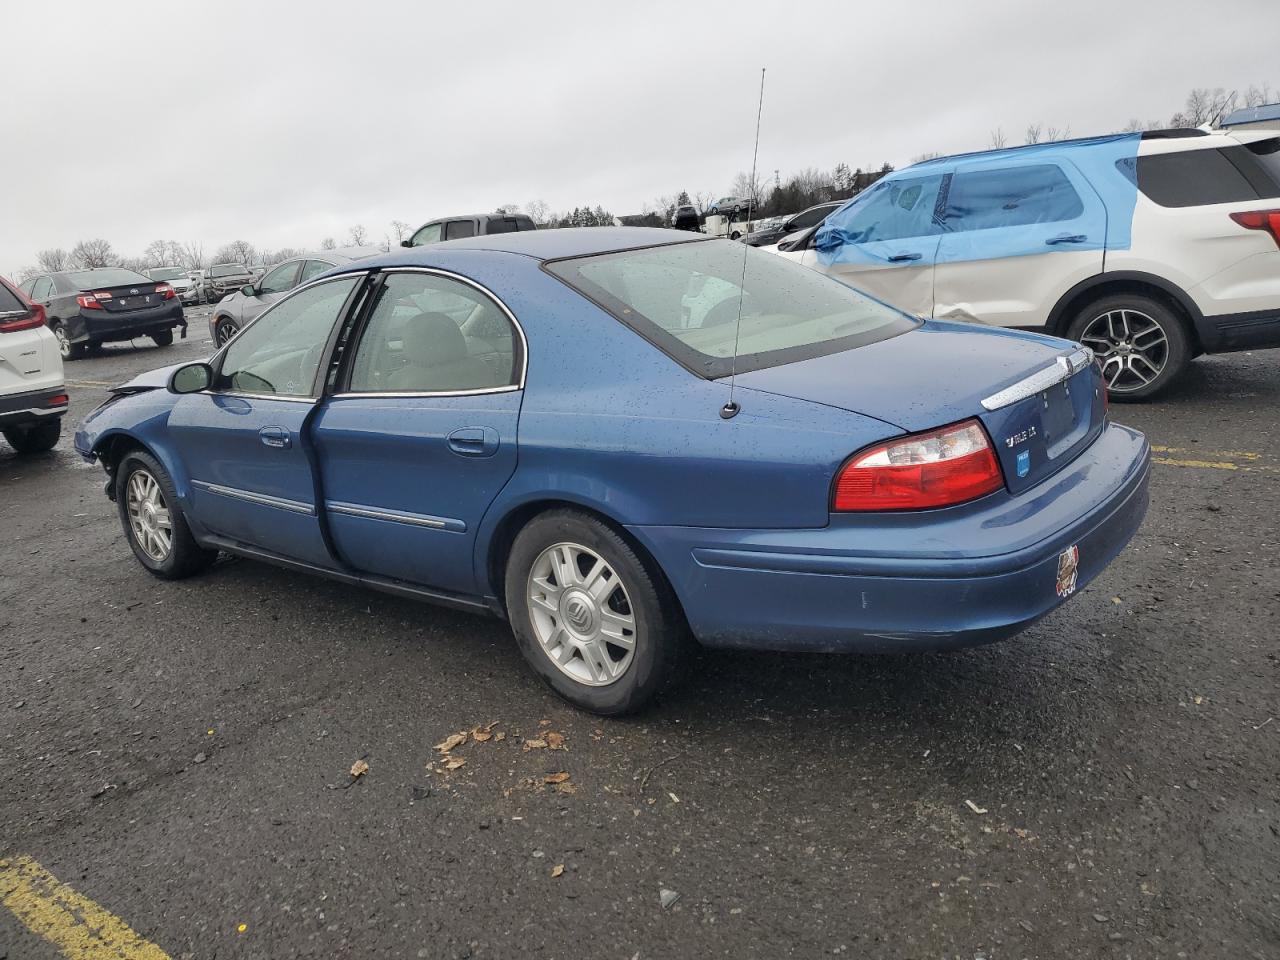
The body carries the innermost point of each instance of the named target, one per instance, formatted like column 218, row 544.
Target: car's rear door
column 420, row 434
column 1016, row 237
column 243, row 443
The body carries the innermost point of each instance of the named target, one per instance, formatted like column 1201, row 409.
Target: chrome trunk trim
column 1063, row 368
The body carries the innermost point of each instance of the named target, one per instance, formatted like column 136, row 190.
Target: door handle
column 474, row 441
column 277, row 437
column 904, row 257
column 1066, row 238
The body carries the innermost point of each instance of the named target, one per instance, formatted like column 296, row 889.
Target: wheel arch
column 1127, row 281
column 114, row 445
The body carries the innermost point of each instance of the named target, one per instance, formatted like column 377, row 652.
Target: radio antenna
column 730, row 409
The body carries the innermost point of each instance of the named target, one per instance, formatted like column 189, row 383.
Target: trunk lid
column 128, row 298
column 942, row 372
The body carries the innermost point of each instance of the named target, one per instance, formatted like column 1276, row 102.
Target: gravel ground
column 1105, row 785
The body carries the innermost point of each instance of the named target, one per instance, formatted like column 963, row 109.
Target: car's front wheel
column 163, row 339
column 153, row 520
column 35, row 437
column 595, row 621
column 1142, row 344
column 224, row 330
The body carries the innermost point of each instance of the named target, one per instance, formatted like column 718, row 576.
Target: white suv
column 1150, row 249
column 33, row 397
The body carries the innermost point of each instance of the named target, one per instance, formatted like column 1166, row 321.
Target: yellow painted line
column 73, row 923
column 88, row 383
column 1226, row 454
column 1210, row 464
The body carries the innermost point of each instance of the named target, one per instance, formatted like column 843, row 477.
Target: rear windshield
column 9, row 301
column 685, row 298
column 108, row 277
column 227, row 270
column 167, row 273
column 509, row 224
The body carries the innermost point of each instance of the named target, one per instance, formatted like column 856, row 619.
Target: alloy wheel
column 581, row 614
column 224, row 332
column 1131, row 346
column 149, row 517
column 64, row 344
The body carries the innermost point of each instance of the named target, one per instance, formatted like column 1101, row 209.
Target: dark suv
column 87, row 308
column 469, row 225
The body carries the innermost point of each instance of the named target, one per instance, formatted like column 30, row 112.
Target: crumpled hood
column 925, row 378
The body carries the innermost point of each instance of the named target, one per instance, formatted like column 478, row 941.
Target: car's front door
column 279, row 280
column 420, row 434
column 243, row 442
column 888, row 241
column 1016, row 237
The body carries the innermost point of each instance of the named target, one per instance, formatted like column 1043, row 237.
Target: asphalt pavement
column 1106, row 785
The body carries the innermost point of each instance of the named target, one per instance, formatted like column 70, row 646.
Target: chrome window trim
column 262, row 499
column 412, row 519
column 1063, row 368
column 467, row 281
column 257, row 396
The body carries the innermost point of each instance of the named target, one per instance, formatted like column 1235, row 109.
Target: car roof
column 475, row 216
column 565, row 241
column 339, row 256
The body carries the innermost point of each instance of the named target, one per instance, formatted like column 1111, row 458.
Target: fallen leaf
column 557, row 870
column 1116, row 600
column 555, row 777
column 359, row 768
column 451, row 741
column 974, row 807
column 554, row 740
column 566, row 788
column 500, row 735
column 1198, row 699
column 674, row 798
column 480, row 736
column 544, row 723
column 453, row 763
column 534, row 744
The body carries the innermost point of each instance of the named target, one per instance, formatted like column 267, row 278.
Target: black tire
column 1159, row 354
column 223, row 330
column 660, row 635
column 34, row 437
column 69, row 350
column 163, row 339
column 185, row 557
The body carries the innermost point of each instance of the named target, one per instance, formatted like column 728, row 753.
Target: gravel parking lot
column 1108, row 784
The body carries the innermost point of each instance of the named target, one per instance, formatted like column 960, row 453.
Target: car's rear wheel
column 224, row 330
column 163, row 339
column 34, row 437
column 153, row 521
column 593, row 619
column 69, row 350
column 1142, row 344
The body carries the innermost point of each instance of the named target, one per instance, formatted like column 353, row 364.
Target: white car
column 179, row 279
column 1149, row 249
column 33, row 396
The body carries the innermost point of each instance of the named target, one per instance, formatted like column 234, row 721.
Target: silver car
column 234, row 311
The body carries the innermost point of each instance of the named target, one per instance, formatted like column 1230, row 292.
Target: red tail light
column 165, row 291
column 37, row 319
column 89, row 301
column 935, row 469
column 1268, row 220
column 61, row 400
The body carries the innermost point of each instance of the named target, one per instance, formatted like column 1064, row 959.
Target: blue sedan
column 625, row 440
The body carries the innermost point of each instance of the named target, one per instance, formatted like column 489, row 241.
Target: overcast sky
column 282, row 124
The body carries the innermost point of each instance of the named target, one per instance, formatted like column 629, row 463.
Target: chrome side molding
column 1063, row 368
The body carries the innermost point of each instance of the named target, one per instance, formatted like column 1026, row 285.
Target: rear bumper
column 1224, row 333
column 124, row 326
column 32, row 406
column 893, row 583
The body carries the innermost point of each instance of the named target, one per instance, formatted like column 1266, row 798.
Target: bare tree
column 1032, row 134
column 1133, row 126
column 191, row 255
column 921, row 158
column 997, row 139
column 1256, row 96
column 1057, row 133
column 28, row 272
column 51, row 261
column 88, row 254
column 328, row 244
column 401, row 230
column 237, row 251
column 1203, row 105
column 357, row 235
column 157, row 253
column 702, row 199
column 538, row 210
column 758, row 191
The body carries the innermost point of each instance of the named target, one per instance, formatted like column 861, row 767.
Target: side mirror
column 192, row 378
column 406, row 243
column 249, row 290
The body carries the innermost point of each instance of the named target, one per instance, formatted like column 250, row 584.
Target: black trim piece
column 1255, row 330
column 32, row 400
column 385, row 584
column 1056, row 322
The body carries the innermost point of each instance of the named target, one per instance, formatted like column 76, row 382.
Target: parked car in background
column 469, row 225
column 186, row 289
column 87, row 308
column 730, row 207
column 685, row 217
column 440, row 425
column 235, row 310
column 1148, row 249
column 33, row 397
column 222, row 278
column 768, row 232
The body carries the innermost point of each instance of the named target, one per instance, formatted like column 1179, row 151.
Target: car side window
column 895, row 210
column 281, row 278
column 434, row 334
column 1010, row 197
column 808, row 218
column 1188, row 178
column 280, row 352
column 42, row 290
column 28, row 286
column 313, row 268
column 457, row 229
column 428, row 234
